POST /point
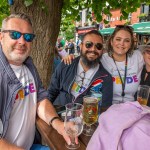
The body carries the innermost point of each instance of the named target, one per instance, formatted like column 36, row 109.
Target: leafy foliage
column 4, row 10
column 71, row 9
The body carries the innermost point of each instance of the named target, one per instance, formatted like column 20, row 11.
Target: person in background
column 70, row 83
column 123, row 62
column 57, row 59
column 60, row 45
column 145, row 76
column 22, row 95
column 71, row 47
column 136, row 43
column 78, row 45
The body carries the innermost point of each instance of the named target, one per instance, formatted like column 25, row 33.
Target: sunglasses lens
column 99, row 46
column 88, row 44
column 29, row 37
column 15, row 35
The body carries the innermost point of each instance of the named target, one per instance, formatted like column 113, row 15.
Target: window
column 145, row 9
column 108, row 18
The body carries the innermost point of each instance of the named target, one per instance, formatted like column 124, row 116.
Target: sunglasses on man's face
column 89, row 44
column 15, row 35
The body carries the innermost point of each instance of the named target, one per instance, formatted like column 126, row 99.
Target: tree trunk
column 46, row 25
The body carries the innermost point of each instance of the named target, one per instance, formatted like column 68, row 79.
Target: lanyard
column 125, row 74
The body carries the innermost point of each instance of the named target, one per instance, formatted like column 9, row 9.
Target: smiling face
column 121, row 43
column 16, row 51
column 90, row 55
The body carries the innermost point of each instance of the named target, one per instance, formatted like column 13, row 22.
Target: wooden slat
column 52, row 138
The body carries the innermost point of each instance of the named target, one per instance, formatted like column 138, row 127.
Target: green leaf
column 28, row 2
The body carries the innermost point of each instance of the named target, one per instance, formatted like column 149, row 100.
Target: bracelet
column 51, row 121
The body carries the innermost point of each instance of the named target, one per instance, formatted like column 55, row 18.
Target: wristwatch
column 54, row 118
column 1, row 128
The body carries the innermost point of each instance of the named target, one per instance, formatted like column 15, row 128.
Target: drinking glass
column 143, row 94
column 90, row 113
column 73, row 123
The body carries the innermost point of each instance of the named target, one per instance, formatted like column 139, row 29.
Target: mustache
column 21, row 47
column 92, row 52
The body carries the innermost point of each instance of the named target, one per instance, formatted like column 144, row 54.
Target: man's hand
column 46, row 112
column 59, row 126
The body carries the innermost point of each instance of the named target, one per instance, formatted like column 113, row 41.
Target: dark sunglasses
column 28, row 37
column 89, row 44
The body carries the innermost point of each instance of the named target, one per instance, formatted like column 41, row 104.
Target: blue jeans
column 39, row 147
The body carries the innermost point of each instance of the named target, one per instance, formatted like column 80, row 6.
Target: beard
column 17, row 57
column 86, row 61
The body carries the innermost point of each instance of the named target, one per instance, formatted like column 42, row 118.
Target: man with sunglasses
column 21, row 94
column 85, row 76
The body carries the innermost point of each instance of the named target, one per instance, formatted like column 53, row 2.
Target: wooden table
column 54, row 140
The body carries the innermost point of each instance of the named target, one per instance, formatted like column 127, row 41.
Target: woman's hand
column 68, row 59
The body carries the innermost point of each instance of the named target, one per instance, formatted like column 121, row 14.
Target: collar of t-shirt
column 17, row 70
column 88, row 74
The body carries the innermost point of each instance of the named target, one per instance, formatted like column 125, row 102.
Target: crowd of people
column 116, row 74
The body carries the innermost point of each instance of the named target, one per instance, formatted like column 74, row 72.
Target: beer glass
column 90, row 113
column 143, row 94
column 73, row 123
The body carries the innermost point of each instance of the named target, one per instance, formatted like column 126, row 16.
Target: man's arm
column 46, row 112
column 4, row 145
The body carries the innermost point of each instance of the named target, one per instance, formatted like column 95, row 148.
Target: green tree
column 4, row 10
column 46, row 17
column 67, row 29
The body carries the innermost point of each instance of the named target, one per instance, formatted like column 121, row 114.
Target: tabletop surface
column 54, row 140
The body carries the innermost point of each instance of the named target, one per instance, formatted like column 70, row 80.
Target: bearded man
column 84, row 76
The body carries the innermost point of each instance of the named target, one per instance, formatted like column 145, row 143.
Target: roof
column 107, row 31
column 142, row 28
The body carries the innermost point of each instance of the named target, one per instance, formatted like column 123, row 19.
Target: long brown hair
column 117, row 29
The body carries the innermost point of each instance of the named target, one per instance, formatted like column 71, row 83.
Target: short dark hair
column 92, row 32
column 117, row 29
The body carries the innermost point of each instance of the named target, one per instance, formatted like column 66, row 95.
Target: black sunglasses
column 28, row 37
column 89, row 44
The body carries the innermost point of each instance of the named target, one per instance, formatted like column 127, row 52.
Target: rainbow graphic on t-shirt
column 25, row 91
column 129, row 80
column 77, row 88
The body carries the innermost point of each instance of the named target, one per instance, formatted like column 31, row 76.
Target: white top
column 82, row 79
column 134, row 68
column 21, row 129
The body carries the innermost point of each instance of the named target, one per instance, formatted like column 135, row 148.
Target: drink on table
column 73, row 123
column 98, row 95
column 143, row 94
column 90, row 113
column 142, row 101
